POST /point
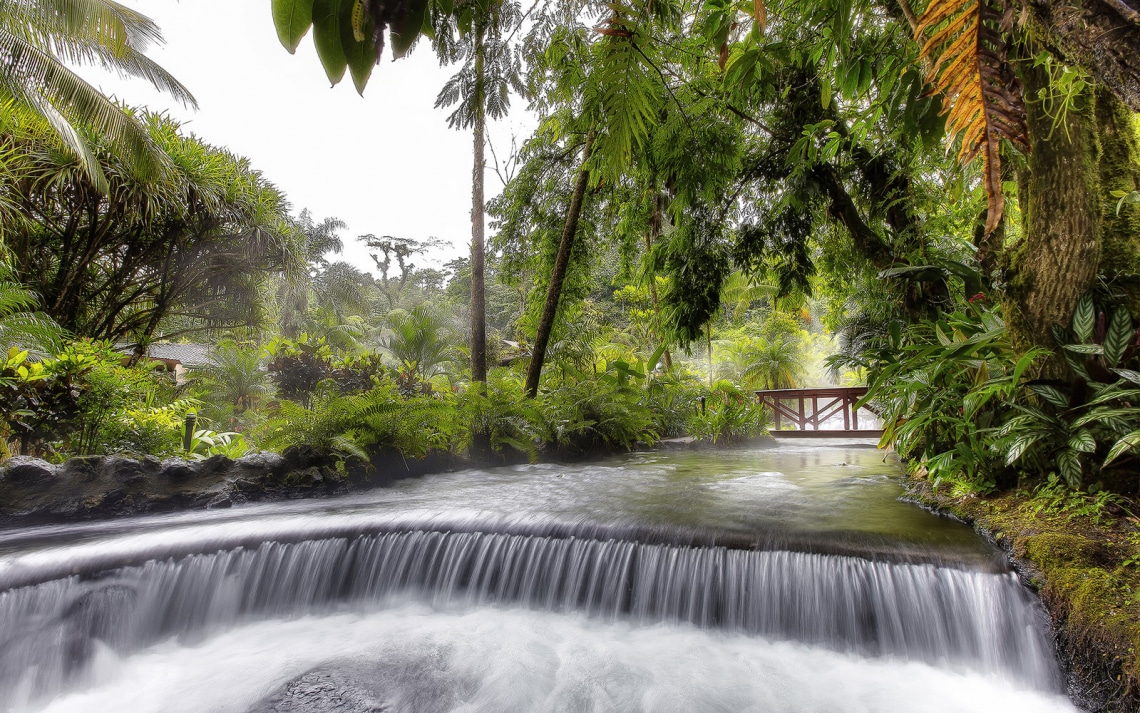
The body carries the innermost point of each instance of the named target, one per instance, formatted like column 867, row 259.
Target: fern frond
column 983, row 98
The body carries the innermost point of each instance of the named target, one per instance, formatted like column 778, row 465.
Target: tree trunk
column 1119, row 170
column 650, row 238
column 1057, row 260
column 1099, row 36
column 478, row 293
column 558, row 276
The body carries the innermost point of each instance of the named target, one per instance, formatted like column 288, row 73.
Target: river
column 787, row 579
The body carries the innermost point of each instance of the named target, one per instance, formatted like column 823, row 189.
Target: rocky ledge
column 35, row 491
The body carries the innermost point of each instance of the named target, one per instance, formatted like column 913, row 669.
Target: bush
column 730, row 414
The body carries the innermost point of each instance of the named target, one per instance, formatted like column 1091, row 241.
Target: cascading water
column 593, row 594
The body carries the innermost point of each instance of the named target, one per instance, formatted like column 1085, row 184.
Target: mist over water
column 788, row 579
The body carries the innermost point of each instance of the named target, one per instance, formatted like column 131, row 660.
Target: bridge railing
column 809, row 409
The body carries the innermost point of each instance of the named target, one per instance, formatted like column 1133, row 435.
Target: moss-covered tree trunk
column 1057, row 260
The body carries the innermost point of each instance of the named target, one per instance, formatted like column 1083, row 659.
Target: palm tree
column 482, row 90
column 236, row 375
column 38, row 38
column 418, row 341
column 774, row 364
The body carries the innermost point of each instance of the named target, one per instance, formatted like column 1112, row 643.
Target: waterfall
column 914, row 611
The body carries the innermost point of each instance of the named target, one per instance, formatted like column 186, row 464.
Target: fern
column 983, row 98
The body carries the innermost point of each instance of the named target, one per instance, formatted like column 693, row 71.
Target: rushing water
column 787, row 579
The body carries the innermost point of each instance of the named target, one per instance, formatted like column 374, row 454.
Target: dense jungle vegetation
column 941, row 202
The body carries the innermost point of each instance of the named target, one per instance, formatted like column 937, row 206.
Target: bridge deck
column 825, row 404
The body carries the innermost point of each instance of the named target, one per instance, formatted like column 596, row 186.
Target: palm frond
column 983, row 97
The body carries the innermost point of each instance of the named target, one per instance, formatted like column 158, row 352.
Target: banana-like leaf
column 983, row 97
column 1125, row 444
column 360, row 54
column 1084, row 319
column 292, row 18
column 327, row 38
column 1118, row 337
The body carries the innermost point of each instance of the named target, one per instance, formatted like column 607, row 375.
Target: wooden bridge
column 809, row 409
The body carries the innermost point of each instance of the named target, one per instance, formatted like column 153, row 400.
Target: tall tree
column 482, row 89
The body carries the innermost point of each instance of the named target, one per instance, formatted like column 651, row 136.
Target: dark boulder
column 25, row 470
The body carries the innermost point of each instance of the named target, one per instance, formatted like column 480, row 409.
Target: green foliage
column 597, row 413
column 499, row 412
column 39, row 39
column 84, row 401
column 352, row 426
column 729, row 414
column 942, row 390
column 418, row 342
column 1085, row 430
column 205, row 443
column 195, row 249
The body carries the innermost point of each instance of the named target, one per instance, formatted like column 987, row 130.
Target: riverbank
column 1085, row 563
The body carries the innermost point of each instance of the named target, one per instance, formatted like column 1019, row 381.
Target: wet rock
column 81, row 469
column 323, row 691
column 176, row 469
column 128, row 471
column 221, row 500
column 304, row 456
column 25, row 470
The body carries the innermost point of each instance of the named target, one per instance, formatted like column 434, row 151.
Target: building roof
column 186, row 354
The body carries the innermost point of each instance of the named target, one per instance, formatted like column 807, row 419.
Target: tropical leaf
column 1084, row 318
column 1082, row 441
column 1133, row 376
column 1084, row 348
column 1050, row 394
column 292, row 18
column 327, row 38
column 1020, row 445
column 1118, row 337
column 1069, row 463
column 983, row 97
column 1127, row 443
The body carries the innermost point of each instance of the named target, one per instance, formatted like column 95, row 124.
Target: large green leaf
column 1050, row 394
column 327, row 38
column 405, row 30
column 1019, row 446
column 1133, row 376
column 292, row 18
column 1082, row 441
column 1084, row 318
column 1119, row 336
column 1069, row 463
column 361, row 55
column 1127, row 443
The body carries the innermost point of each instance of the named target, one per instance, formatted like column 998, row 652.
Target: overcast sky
column 385, row 164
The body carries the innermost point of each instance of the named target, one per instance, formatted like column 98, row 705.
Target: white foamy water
column 412, row 658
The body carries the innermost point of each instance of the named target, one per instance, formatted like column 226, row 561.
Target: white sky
column 385, row 164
